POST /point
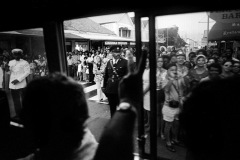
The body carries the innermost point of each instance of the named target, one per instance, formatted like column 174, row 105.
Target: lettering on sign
column 231, row 15
column 226, row 16
column 110, row 43
column 122, row 43
column 229, row 33
column 115, row 43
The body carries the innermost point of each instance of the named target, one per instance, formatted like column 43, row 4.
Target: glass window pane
column 23, row 59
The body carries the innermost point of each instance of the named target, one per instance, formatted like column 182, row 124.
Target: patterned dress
column 96, row 68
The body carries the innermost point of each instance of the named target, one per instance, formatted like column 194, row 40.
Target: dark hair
column 225, row 61
column 203, row 51
column 166, row 56
column 215, row 65
column 210, row 117
column 173, row 55
column 54, row 102
column 192, row 53
column 170, row 65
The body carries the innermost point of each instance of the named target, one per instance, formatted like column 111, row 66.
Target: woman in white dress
column 161, row 75
column 98, row 70
column 146, row 93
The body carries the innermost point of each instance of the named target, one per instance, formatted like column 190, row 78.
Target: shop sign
column 122, row 43
column 115, row 43
column 226, row 16
column 110, row 43
column 132, row 43
column 231, row 33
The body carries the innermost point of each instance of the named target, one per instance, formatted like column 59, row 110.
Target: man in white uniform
column 19, row 70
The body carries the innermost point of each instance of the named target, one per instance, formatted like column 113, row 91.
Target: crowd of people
column 91, row 66
column 178, row 73
column 38, row 67
column 81, row 63
column 197, row 104
column 17, row 69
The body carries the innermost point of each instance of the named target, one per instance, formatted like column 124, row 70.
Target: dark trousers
column 91, row 75
column 17, row 100
column 113, row 102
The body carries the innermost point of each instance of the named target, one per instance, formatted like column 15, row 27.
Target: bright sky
column 188, row 24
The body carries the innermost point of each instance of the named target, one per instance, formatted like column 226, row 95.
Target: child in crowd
column 79, row 71
column 84, row 66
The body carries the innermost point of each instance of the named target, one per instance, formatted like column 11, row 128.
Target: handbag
column 174, row 103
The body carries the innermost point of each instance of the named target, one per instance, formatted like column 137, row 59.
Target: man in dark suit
column 114, row 71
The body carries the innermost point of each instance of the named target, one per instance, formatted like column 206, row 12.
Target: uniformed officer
column 115, row 69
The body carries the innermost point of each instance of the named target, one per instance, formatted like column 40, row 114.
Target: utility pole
column 167, row 38
column 208, row 14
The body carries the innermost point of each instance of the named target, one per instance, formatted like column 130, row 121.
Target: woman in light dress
column 160, row 74
column 98, row 70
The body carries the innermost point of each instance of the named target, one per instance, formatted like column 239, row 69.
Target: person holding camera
column 174, row 87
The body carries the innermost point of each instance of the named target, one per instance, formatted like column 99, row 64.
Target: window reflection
column 22, row 59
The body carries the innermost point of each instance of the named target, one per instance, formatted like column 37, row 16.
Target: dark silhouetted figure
column 58, row 120
column 211, row 119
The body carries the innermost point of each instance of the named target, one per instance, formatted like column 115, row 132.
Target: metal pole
column 55, row 47
column 167, row 37
column 207, row 28
column 140, row 138
column 153, row 93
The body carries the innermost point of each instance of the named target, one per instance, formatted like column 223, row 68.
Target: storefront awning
column 224, row 31
column 105, row 37
column 99, row 36
column 39, row 32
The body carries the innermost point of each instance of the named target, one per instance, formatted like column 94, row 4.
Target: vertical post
column 167, row 37
column 153, row 93
column 30, row 47
column 55, row 46
column 141, row 138
column 207, row 27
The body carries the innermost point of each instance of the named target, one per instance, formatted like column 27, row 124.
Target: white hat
column 17, row 50
column 200, row 56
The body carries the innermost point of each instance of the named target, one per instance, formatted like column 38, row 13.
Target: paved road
column 100, row 115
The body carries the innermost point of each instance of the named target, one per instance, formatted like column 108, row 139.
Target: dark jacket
column 111, row 80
